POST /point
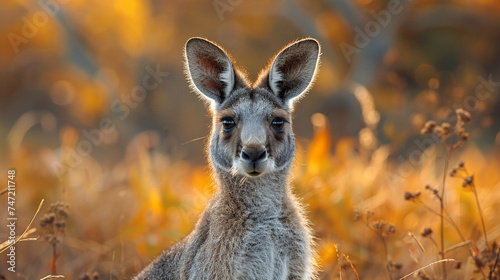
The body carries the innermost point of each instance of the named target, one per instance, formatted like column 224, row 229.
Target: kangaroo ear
column 293, row 69
column 209, row 69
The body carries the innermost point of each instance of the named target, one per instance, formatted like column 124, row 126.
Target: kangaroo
column 253, row 227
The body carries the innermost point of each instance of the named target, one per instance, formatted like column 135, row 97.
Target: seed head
column 383, row 228
column 468, row 181
column 428, row 127
column 438, row 130
column 411, row 196
column 394, row 266
column 369, row 213
column 357, row 216
column 446, row 129
column 48, row 237
column 463, row 115
column 61, row 224
column 464, row 136
column 426, row 232
column 453, row 172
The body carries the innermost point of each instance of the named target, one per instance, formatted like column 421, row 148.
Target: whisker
column 196, row 139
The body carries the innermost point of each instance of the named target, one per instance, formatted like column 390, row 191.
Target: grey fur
column 253, row 227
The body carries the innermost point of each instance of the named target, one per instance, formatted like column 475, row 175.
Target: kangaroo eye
column 228, row 124
column 278, row 124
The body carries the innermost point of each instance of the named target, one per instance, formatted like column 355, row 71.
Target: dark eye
column 228, row 124
column 278, row 124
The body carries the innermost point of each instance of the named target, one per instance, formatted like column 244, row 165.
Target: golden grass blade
column 352, row 266
column 418, row 242
column 26, row 230
column 422, row 268
column 52, row 277
column 23, row 238
column 459, row 245
column 339, row 261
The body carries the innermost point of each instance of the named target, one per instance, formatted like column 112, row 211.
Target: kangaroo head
column 251, row 132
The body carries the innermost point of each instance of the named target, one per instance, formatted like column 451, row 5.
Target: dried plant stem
column 53, row 267
column 387, row 260
column 480, row 214
column 386, row 251
column 446, row 163
column 447, row 217
column 454, row 225
column 492, row 270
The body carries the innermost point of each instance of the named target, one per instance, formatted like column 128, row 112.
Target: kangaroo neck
column 261, row 196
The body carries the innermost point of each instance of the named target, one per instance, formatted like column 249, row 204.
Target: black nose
column 253, row 154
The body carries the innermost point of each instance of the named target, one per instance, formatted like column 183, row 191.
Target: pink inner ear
column 210, row 65
column 212, row 69
column 211, row 84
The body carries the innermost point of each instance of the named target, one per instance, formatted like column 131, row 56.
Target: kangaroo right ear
column 293, row 69
column 209, row 69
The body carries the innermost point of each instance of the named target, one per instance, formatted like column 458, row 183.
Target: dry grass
column 372, row 221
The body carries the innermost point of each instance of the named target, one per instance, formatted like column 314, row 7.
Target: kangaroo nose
column 253, row 154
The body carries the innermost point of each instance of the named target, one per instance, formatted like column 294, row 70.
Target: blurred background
column 96, row 113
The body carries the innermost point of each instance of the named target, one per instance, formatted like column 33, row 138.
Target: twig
column 436, row 262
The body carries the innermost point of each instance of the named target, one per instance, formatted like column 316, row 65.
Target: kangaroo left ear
column 293, row 69
column 209, row 69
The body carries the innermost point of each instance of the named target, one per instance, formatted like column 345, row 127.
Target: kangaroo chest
column 264, row 250
column 250, row 248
